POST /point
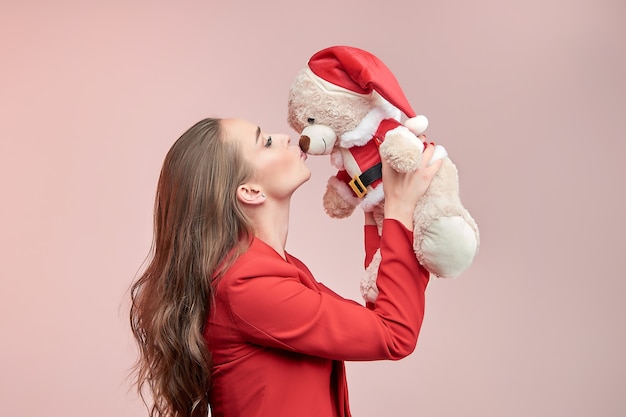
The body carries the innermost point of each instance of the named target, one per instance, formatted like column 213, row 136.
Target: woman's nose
column 284, row 138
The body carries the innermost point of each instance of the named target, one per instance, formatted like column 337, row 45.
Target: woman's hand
column 403, row 190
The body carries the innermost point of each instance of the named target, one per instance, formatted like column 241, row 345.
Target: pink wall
column 529, row 97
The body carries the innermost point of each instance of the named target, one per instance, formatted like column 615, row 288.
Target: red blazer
column 278, row 338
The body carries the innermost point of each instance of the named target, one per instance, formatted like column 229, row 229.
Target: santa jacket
column 278, row 338
column 360, row 158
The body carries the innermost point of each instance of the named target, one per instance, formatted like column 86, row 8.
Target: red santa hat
column 361, row 72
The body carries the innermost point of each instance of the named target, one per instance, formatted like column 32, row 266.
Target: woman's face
column 278, row 165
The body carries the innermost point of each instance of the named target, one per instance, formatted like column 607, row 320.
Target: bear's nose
column 304, row 143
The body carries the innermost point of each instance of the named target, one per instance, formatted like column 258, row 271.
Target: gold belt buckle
column 357, row 186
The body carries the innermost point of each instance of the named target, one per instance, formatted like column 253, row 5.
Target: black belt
column 360, row 183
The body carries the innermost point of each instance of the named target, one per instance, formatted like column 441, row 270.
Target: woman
column 226, row 319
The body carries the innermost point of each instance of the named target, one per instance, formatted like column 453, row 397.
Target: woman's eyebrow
column 258, row 133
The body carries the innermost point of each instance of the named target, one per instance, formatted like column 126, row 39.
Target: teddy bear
column 346, row 103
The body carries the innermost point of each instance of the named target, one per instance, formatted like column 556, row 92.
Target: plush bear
column 346, row 103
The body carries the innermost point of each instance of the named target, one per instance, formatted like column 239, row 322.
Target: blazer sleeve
column 278, row 310
column 372, row 242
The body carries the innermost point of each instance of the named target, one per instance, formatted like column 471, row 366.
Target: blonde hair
column 199, row 229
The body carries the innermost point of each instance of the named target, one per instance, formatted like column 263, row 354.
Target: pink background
column 529, row 98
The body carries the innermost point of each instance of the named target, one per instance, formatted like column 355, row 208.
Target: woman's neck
column 271, row 221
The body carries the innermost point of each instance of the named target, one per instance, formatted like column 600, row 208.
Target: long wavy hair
column 199, row 229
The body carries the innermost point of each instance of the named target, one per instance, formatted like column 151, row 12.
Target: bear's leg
column 338, row 201
column 447, row 246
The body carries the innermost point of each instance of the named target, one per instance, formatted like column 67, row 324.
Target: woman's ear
column 250, row 194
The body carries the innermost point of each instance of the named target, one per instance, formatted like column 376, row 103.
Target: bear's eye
column 310, row 120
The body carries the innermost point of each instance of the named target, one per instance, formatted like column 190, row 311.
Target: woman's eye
column 268, row 142
column 310, row 120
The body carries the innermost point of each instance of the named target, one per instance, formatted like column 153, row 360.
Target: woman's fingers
column 403, row 190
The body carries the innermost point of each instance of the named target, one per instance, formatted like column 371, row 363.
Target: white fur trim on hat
column 366, row 128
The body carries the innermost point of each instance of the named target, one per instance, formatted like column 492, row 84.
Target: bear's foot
column 447, row 247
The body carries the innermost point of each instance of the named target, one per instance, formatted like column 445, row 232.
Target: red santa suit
column 362, row 164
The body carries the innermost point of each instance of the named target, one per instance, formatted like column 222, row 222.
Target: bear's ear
column 302, row 88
